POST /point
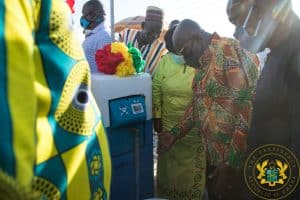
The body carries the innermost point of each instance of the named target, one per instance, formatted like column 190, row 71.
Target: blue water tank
column 131, row 147
column 126, row 108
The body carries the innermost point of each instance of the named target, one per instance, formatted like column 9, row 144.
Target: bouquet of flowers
column 117, row 58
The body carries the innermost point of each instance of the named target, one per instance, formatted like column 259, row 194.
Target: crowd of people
column 215, row 99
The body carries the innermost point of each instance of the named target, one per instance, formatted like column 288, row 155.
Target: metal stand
column 137, row 161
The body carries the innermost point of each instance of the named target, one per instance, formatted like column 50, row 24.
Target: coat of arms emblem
column 272, row 172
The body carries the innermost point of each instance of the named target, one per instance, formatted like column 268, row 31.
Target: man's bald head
column 190, row 40
column 184, row 32
column 237, row 10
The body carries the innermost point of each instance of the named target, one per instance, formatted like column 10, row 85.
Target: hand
column 158, row 125
column 239, row 141
column 165, row 142
column 224, row 182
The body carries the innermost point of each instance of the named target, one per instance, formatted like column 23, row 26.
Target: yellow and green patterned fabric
column 181, row 170
column 52, row 135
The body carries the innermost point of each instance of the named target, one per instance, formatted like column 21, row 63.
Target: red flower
column 107, row 62
column 71, row 5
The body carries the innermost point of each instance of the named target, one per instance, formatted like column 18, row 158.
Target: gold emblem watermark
column 272, row 172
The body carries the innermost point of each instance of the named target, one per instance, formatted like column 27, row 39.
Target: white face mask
column 263, row 31
column 247, row 40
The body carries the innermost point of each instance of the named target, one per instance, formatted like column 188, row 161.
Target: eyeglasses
column 180, row 52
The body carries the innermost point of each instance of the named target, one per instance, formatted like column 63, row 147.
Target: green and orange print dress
column 223, row 89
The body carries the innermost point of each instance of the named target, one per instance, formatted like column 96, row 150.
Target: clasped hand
column 165, row 141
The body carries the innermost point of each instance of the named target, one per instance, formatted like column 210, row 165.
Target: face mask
column 263, row 32
column 179, row 59
column 84, row 23
column 247, row 40
column 251, row 43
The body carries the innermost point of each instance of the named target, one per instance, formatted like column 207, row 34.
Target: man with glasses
column 223, row 88
column 147, row 40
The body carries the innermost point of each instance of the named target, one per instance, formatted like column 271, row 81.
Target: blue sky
column 210, row 14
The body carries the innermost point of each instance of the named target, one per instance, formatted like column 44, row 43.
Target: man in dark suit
column 276, row 111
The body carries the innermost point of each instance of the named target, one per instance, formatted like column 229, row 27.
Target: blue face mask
column 179, row 59
column 84, row 23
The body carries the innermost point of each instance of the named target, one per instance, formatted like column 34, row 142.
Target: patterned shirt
column 96, row 39
column 151, row 52
column 223, row 89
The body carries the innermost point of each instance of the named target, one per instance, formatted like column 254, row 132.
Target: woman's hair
column 169, row 41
